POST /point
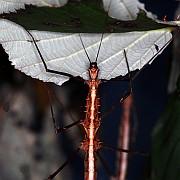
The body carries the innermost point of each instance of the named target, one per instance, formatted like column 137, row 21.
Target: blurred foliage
column 29, row 147
column 166, row 141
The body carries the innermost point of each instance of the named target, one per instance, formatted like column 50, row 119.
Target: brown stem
column 124, row 137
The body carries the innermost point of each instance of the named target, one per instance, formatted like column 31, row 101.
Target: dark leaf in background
column 166, row 141
column 85, row 17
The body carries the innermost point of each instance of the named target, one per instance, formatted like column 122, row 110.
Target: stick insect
column 90, row 143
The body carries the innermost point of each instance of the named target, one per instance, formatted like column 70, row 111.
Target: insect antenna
column 103, row 32
column 100, row 39
column 84, row 47
column 99, row 47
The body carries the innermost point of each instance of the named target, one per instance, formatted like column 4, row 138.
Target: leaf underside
column 86, row 17
column 64, row 52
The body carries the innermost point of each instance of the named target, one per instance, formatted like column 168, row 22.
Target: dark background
column 150, row 98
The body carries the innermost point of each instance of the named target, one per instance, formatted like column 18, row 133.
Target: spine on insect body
column 91, row 124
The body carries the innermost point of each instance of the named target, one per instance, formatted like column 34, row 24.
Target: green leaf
column 87, row 16
column 166, row 142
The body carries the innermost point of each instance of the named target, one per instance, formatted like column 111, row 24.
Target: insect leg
column 127, row 94
column 126, row 151
column 44, row 63
column 52, row 176
column 56, row 128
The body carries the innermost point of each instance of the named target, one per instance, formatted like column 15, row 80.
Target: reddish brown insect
column 91, row 124
column 91, row 144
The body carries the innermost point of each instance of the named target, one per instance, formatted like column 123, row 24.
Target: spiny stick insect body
column 91, row 123
column 90, row 144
